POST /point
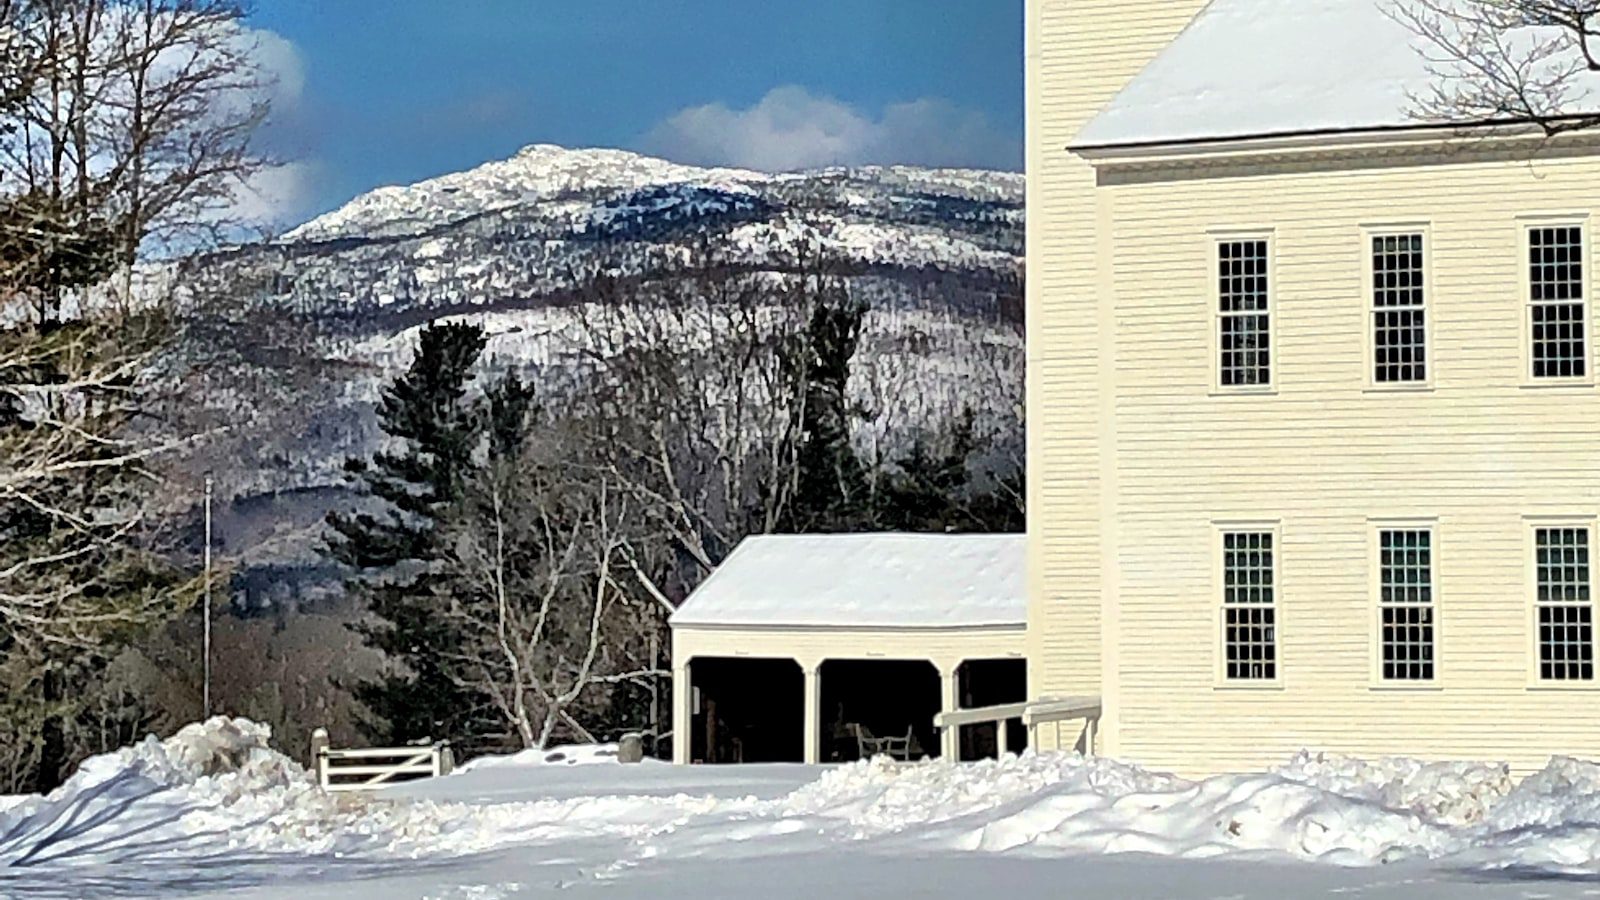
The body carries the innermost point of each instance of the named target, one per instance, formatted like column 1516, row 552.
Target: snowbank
column 1318, row 807
column 217, row 792
column 218, row 786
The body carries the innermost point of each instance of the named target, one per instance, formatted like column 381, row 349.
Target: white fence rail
column 374, row 767
column 998, row 715
column 1047, row 711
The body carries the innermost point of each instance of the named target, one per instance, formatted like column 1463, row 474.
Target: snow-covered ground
column 214, row 812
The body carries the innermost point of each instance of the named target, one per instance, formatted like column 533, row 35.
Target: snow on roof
column 1270, row 67
column 865, row 580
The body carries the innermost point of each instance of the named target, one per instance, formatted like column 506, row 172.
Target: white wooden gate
column 375, row 767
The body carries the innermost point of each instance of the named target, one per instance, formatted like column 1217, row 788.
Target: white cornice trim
column 1384, row 142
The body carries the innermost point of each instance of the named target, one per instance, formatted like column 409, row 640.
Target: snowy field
column 213, row 812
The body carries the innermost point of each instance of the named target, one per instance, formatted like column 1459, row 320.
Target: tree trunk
column 52, row 735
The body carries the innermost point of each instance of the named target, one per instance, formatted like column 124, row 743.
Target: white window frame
column 1526, row 225
column 1532, row 526
column 1219, row 530
column 1214, row 320
column 1369, row 234
column 1375, row 529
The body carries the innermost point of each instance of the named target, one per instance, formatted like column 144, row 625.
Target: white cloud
column 282, row 194
column 276, row 195
column 792, row 128
column 281, row 62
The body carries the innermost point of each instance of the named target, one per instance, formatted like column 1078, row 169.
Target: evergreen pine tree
column 924, row 492
column 508, row 405
column 830, row 491
column 929, row 491
column 434, row 429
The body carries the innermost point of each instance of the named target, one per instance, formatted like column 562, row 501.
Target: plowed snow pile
column 218, row 786
column 216, row 795
column 209, row 788
column 1320, row 807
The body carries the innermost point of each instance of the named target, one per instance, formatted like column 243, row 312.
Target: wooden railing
column 983, row 715
column 375, row 767
column 1055, row 710
column 1047, row 711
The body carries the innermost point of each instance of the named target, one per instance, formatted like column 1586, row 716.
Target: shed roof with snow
column 865, row 581
column 1267, row 68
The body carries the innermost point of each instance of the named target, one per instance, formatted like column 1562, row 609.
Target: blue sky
column 393, row 91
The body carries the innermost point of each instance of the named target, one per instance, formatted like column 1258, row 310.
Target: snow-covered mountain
column 540, row 172
column 520, row 231
column 515, row 245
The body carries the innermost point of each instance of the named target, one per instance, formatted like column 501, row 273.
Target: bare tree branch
column 1507, row 62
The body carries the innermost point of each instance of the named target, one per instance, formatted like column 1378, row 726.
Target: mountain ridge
column 544, row 172
column 520, row 245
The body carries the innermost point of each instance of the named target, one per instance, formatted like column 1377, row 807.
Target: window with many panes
column 1405, row 603
column 1557, row 313
column 1244, row 339
column 1565, row 610
column 1249, row 606
column 1399, row 316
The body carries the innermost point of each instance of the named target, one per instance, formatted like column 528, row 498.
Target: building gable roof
column 1247, row 68
column 1266, row 68
column 865, row 581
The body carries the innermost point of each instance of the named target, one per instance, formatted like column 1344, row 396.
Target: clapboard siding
column 1133, row 455
column 1079, row 54
column 1479, row 454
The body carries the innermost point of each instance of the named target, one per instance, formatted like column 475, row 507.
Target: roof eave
column 1177, row 150
column 892, row 627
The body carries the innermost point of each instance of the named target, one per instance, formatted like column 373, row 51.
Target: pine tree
column 508, row 405
column 435, row 428
column 830, row 493
column 924, row 492
column 932, row 490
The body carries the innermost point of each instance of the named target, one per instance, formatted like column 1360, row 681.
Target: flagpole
column 206, row 605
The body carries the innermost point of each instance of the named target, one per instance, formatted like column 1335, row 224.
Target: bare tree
column 129, row 129
column 75, row 390
column 534, row 586
column 694, row 388
column 123, row 124
column 1508, row 62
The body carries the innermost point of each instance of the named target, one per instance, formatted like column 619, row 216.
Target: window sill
column 1578, row 687
column 1244, row 392
column 1423, row 687
column 1427, row 388
column 1546, row 384
column 1249, row 687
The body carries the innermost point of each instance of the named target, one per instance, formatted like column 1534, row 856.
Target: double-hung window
column 1558, row 321
column 1249, row 606
column 1399, row 309
column 1244, row 313
column 1565, row 608
column 1405, row 604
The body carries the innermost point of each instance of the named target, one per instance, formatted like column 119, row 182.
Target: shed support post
column 950, row 737
column 813, row 729
column 1002, row 739
column 682, row 715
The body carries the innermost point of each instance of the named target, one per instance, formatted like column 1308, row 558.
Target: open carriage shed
column 817, row 648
